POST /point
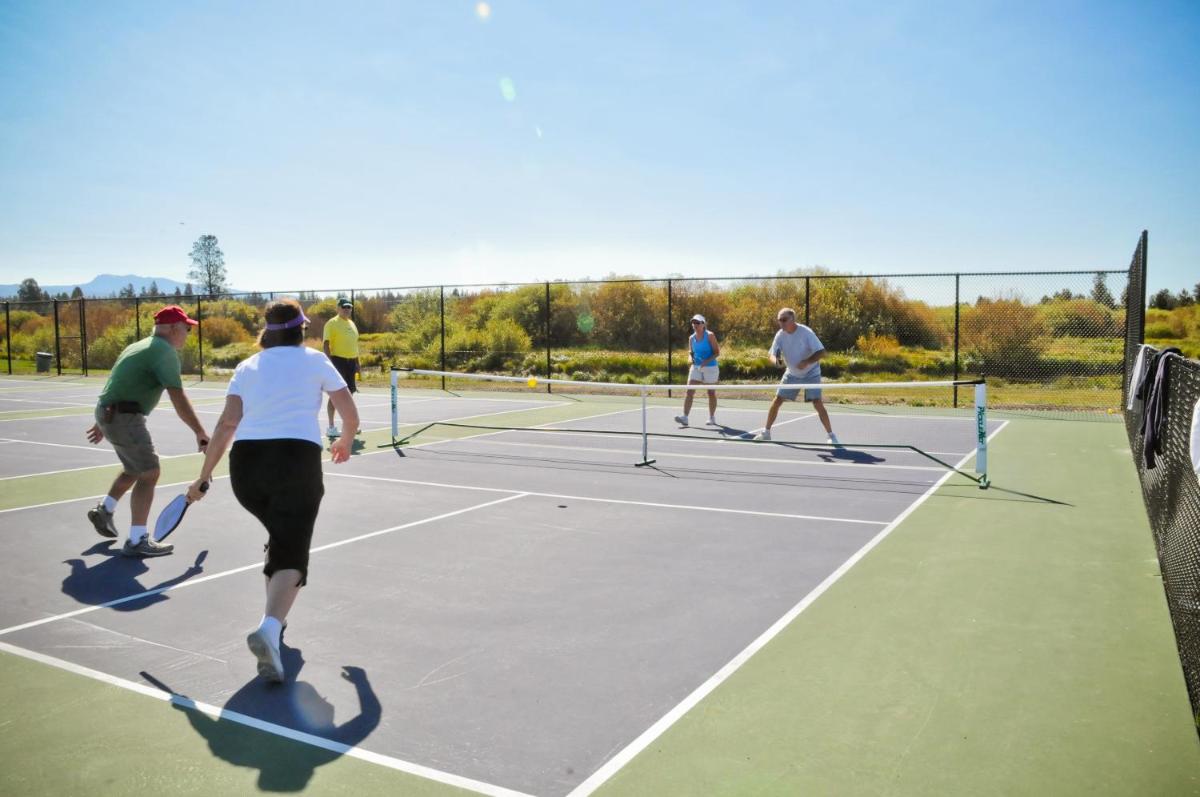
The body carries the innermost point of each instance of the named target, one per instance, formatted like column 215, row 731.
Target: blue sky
column 390, row 144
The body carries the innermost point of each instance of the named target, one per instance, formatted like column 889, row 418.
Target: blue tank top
column 701, row 349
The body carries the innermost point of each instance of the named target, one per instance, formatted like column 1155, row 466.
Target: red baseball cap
column 173, row 314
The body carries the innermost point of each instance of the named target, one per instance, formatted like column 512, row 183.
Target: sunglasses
column 697, row 323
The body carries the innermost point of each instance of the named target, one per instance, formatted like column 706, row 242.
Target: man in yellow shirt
column 341, row 347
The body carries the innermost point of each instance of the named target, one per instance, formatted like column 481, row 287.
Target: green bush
column 229, row 355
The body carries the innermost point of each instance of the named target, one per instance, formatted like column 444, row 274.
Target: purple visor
column 295, row 322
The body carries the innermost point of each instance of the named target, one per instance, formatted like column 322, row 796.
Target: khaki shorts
column 130, row 438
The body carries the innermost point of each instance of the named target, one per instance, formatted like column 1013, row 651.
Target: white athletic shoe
column 332, row 431
column 270, row 665
column 713, row 422
column 833, row 441
column 681, row 420
column 765, row 434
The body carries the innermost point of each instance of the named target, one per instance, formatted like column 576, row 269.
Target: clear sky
column 370, row 144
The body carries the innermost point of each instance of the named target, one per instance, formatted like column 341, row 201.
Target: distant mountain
column 106, row 285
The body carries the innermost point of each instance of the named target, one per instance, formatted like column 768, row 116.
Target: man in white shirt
column 801, row 351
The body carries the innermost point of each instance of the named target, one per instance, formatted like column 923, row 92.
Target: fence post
column 137, row 318
column 57, row 341
column 83, row 334
column 8, row 337
column 548, row 385
column 807, row 317
column 957, row 278
column 200, row 334
column 442, row 315
column 670, row 348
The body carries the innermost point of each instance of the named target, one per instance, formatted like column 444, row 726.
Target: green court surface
column 1013, row 641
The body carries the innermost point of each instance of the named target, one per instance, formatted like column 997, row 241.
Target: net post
column 645, row 436
column 981, row 463
column 395, row 414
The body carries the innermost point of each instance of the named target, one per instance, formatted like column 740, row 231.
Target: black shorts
column 347, row 367
column 280, row 483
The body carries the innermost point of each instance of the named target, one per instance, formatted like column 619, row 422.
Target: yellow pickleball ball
column 532, row 381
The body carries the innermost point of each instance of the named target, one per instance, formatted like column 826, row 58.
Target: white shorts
column 706, row 375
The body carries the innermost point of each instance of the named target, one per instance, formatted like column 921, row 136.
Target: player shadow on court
column 283, row 764
column 118, row 577
column 841, row 454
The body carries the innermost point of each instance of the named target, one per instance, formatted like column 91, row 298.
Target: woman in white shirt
column 272, row 406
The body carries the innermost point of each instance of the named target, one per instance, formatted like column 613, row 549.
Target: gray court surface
column 514, row 608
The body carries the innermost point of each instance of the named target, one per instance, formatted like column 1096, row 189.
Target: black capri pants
column 280, row 483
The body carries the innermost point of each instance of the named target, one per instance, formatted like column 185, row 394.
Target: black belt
column 127, row 407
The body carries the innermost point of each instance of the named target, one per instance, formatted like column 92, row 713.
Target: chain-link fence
column 1044, row 340
column 1162, row 417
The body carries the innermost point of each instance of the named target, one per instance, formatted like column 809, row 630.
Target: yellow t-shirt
column 342, row 336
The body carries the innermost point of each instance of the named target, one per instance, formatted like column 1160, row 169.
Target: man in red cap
column 133, row 389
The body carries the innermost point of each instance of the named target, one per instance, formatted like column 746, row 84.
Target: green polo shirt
column 141, row 373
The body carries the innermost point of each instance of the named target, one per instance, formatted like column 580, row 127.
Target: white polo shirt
column 282, row 390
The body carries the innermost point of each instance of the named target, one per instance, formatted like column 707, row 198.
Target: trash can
column 44, row 359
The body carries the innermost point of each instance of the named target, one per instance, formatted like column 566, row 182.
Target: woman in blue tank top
column 703, row 348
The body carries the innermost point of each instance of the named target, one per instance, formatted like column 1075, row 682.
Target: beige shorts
column 130, row 438
column 707, row 375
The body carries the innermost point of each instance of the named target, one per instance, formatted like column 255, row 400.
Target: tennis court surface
column 507, row 604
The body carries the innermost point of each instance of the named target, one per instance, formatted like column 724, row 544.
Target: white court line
column 429, row 773
column 84, row 467
column 87, row 497
column 614, row 764
column 60, row 402
column 562, row 496
column 55, row 445
column 660, row 454
column 200, row 403
column 203, row 579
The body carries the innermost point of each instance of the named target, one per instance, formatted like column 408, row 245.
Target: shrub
column 1080, row 318
column 231, row 354
column 221, row 331
column 505, row 335
column 1003, row 336
column 877, row 345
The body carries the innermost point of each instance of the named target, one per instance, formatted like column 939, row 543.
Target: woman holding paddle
column 272, row 408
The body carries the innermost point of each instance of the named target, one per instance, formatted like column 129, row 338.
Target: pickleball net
column 867, row 416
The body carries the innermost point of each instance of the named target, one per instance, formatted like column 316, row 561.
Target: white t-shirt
column 800, row 345
column 282, row 389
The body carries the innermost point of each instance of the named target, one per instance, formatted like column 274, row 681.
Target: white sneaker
column 713, row 422
column 681, row 420
column 765, row 434
column 270, row 665
column 833, row 441
column 332, row 431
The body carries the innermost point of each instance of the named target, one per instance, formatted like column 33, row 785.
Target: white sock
column 110, row 504
column 136, row 533
column 272, row 627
